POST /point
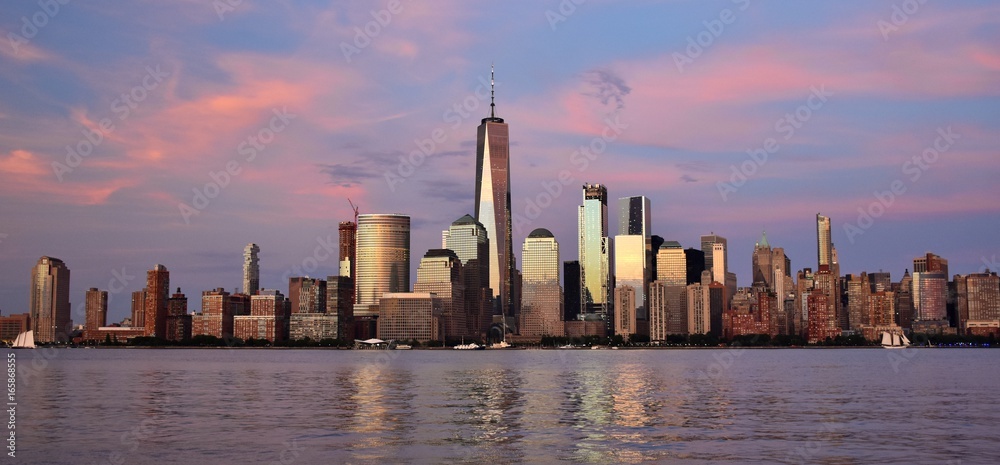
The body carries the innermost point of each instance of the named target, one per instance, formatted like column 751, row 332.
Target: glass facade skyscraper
column 468, row 239
column 541, row 302
column 493, row 202
column 633, row 216
column 631, row 271
column 440, row 273
column 595, row 247
column 671, row 303
column 383, row 253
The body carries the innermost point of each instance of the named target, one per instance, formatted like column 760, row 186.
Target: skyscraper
column 440, row 273
column 633, row 216
column 178, row 320
column 467, row 238
column 716, row 260
column 699, row 305
column 340, row 303
column 50, row 311
column 770, row 266
column 349, row 255
column 97, row 309
column 383, row 257
column 541, row 305
column 671, row 276
column 139, row 309
column 251, row 269
column 634, row 220
column 571, row 290
column 157, row 294
column 930, row 262
column 824, row 244
column 630, row 272
column 978, row 303
column 493, row 200
column 595, row 248
column 695, row 260
column 930, row 296
column 716, row 250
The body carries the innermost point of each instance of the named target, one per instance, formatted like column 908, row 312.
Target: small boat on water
column 469, row 346
column 894, row 341
column 500, row 345
column 25, row 340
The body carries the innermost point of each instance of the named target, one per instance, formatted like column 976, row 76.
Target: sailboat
column 25, row 340
column 894, row 341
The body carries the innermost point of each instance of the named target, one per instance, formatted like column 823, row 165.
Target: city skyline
column 117, row 212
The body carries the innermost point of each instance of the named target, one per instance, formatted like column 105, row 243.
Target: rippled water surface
column 832, row 406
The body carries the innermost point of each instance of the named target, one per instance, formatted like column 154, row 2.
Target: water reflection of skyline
column 504, row 407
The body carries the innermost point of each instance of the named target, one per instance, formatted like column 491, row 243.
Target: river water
column 828, row 406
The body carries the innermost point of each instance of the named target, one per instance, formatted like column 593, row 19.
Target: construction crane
column 355, row 207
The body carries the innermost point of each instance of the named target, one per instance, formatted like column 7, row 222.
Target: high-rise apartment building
column 216, row 317
column 828, row 284
column 595, row 251
column 383, row 257
column 308, row 295
column 930, row 296
column 251, row 269
column 626, row 323
column 824, row 241
column 859, row 288
column 699, row 305
column 493, row 201
column 978, row 303
column 178, row 320
column 541, row 301
column 139, row 309
column 97, row 309
column 268, row 318
column 340, row 303
column 157, row 294
column 904, row 300
column 49, row 306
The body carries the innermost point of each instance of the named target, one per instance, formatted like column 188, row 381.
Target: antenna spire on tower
column 493, row 113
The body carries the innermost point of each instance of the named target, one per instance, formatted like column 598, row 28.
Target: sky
column 145, row 132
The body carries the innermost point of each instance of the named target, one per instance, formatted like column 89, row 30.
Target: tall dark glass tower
column 493, row 200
